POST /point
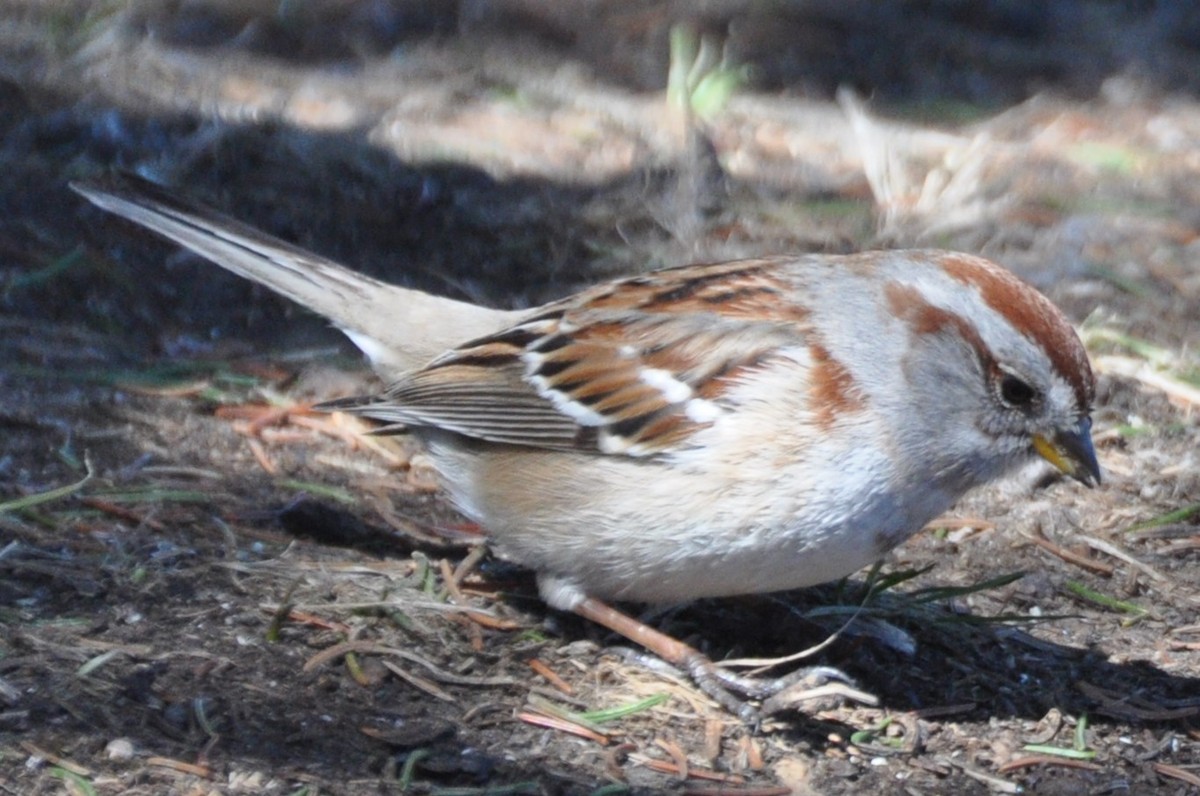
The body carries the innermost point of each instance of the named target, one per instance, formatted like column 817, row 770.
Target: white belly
column 644, row 531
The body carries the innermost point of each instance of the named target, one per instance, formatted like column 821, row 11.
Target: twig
column 468, row 564
column 61, row 762
column 1175, row 772
column 1085, row 562
column 994, row 783
column 120, row 512
column 178, row 765
column 678, row 756
column 420, row 683
column 1116, row 552
column 563, row 725
column 1046, row 760
column 260, row 455
column 550, row 676
column 664, row 767
column 370, row 647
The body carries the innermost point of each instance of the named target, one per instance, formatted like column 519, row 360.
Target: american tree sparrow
column 710, row 430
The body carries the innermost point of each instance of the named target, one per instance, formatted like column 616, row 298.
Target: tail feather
column 397, row 328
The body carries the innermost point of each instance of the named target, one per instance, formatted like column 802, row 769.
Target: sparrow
column 708, row 430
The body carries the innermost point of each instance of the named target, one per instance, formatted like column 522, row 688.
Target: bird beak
column 1071, row 451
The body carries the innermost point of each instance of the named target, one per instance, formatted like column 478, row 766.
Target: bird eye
column 1016, row 392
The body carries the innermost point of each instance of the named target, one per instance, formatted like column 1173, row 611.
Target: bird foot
column 796, row 690
column 749, row 698
column 753, row 699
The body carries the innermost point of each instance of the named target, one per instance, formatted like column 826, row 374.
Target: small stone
column 119, row 749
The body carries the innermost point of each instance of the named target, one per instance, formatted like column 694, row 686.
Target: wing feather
column 632, row 367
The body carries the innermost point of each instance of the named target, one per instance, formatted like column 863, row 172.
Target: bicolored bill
column 1071, row 451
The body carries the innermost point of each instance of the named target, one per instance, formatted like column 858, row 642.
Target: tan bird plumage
column 702, row 431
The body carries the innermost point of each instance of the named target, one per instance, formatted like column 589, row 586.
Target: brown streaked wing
column 479, row 392
column 631, row 367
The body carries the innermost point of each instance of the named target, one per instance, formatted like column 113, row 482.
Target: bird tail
column 397, row 328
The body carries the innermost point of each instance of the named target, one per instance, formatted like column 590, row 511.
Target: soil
column 246, row 597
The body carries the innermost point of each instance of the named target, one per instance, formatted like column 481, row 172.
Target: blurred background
column 507, row 152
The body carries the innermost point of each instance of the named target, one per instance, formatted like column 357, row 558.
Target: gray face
column 979, row 374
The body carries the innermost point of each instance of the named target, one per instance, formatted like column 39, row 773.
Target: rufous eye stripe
column 1031, row 313
column 909, row 305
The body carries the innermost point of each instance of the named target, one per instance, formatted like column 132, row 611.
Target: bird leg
column 714, row 681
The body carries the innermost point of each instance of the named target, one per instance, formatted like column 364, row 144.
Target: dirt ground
column 232, row 594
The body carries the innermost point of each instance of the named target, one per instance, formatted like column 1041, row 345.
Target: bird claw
column 748, row 698
column 773, row 695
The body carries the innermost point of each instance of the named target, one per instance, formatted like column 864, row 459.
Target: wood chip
column 714, row 733
column 753, row 753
